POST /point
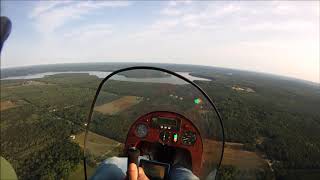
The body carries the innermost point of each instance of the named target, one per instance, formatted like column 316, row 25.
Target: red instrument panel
column 170, row 129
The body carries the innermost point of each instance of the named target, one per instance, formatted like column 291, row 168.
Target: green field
column 118, row 105
column 98, row 145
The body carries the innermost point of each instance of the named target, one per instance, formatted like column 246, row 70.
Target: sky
column 278, row 37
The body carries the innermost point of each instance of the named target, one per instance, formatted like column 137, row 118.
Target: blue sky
column 279, row 37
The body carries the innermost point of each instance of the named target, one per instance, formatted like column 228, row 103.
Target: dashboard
column 169, row 129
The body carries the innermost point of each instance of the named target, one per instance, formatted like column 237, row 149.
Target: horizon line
column 124, row 62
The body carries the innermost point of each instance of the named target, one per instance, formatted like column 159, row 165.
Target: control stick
column 133, row 155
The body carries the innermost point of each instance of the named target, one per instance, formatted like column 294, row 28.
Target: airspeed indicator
column 141, row 130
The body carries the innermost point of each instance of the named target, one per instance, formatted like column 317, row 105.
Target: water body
column 100, row 74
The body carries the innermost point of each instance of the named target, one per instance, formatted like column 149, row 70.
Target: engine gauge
column 141, row 130
column 189, row 138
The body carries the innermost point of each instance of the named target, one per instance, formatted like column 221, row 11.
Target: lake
column 100, row 74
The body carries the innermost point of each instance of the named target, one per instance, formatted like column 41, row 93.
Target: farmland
column 98, row 145
column 6, row 105
column 118, row 105
column 236, row 155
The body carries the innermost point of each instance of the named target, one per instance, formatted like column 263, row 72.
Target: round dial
column 189, row 138
column 141, row 130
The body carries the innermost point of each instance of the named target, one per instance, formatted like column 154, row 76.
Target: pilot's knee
column 112, row 160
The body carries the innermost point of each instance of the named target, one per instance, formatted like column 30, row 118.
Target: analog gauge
column 189, row 138
column 141, row 130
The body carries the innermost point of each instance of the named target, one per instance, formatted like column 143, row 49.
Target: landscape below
column 272, row 124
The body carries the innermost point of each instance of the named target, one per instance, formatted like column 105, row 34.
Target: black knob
column 133, row 155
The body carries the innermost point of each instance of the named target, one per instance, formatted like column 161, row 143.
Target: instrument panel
column 168, row 129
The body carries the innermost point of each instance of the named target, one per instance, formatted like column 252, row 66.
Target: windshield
column 258, row 62
column 119, row 104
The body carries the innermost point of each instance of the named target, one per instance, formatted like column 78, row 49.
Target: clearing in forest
column 245, row 89
column 6, row 105
column 97, row 145
column 236, row 156
column 118, row 105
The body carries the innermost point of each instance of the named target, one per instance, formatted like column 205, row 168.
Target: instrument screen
column 155, row 170
column 165, row 123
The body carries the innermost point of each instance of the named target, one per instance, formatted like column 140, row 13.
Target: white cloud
column 297, row 26
column 241, row 16
column 44, row 6
column 227, row 9
column 92, row 31
column 198, row 15
column 157, row 28
column 171, row 11
column 102, row 4
column 173, row 7
column 174, row 3
column 164, row 24
column 50, row 16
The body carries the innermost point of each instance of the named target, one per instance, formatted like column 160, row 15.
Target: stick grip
column 133, row 155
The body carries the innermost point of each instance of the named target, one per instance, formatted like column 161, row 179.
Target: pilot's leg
column 181, row 173
column 113, row 168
